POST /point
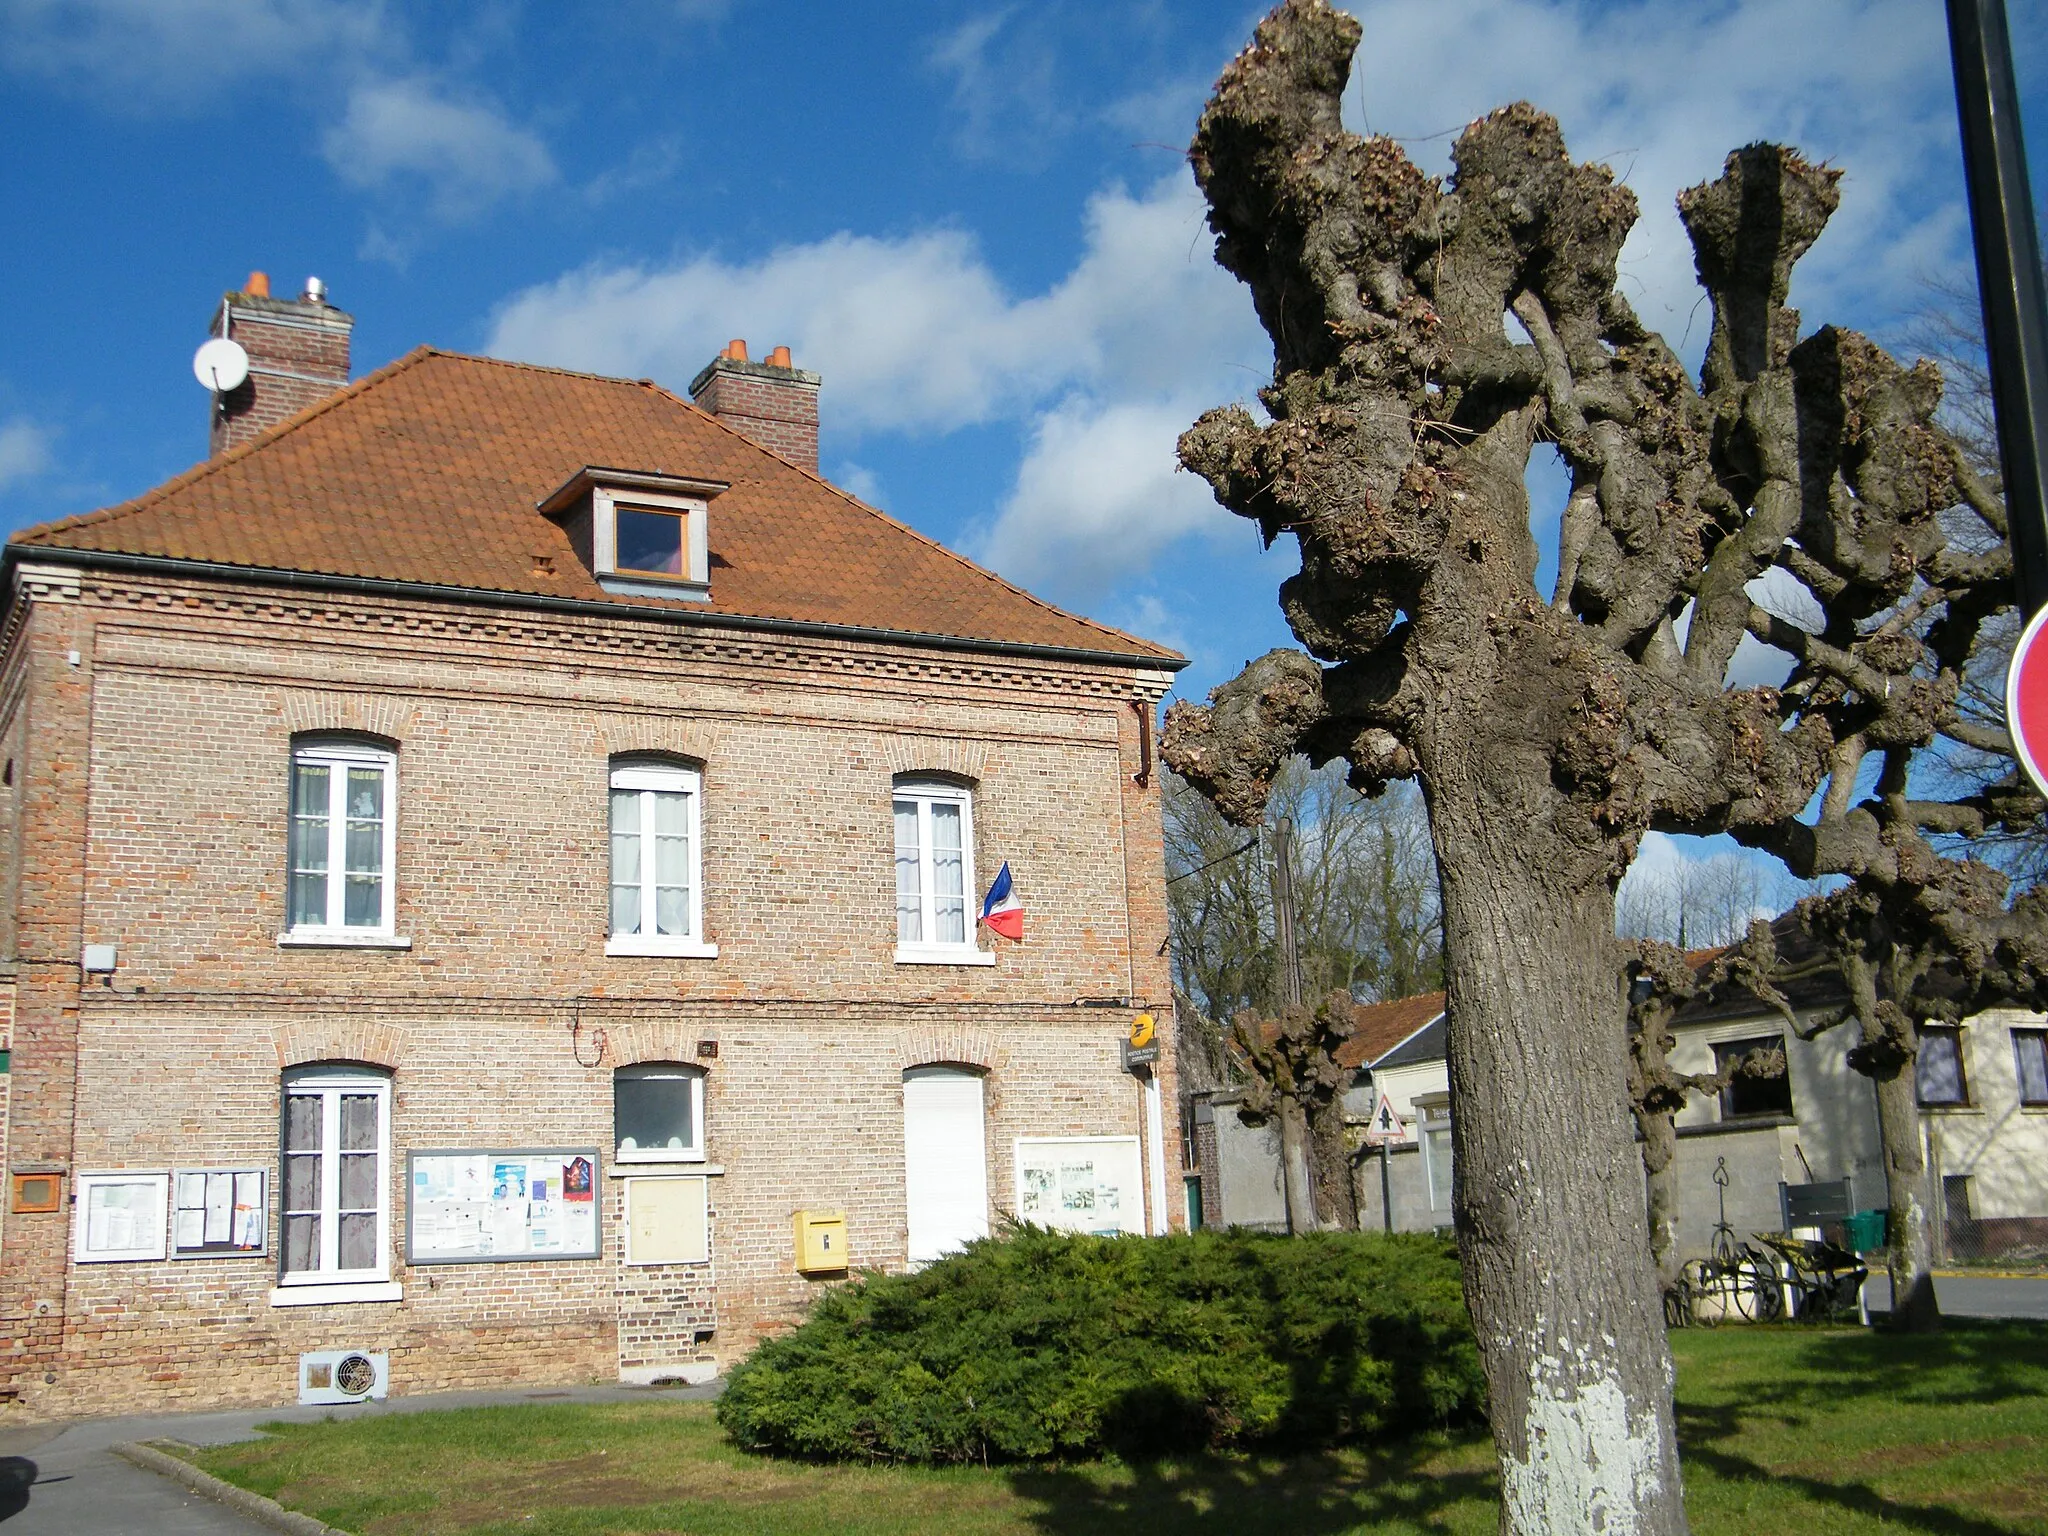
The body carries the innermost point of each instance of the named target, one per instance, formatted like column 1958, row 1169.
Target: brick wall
column 776, row 407
column 153, row 813
column 298, row 356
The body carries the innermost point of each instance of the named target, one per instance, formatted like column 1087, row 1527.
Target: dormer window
column 652, row 543
column 643, row 534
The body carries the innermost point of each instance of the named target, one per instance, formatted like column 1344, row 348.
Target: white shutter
column 945, row 1160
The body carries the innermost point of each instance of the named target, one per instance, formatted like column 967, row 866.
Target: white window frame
column 330, row 1283
column 662, row 1071
column 338, row 757
column 650, row 779
column 153, row 1230
column 925, row 793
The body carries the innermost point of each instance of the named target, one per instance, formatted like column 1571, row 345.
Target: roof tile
column 429, row 470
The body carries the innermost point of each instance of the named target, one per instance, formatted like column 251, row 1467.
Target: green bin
column 1865, row 1230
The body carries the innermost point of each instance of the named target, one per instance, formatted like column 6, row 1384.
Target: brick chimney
column 298, row 354
column 775, row 403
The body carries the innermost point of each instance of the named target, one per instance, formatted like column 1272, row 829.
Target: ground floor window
column 337, row 1184
column 2030, row 1060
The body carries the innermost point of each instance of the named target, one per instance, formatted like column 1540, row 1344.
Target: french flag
column 1001, row 911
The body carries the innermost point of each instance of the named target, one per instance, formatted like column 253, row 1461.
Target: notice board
column 484, row 1207
column 1080, row 1183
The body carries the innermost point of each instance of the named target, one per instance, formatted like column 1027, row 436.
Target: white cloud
column 917, row 334
column 407, row 133
column 1662, row 93
column 1004, row 89
column 860, row 481
column 24, row 451
column 1098, row 495
column 181, row 55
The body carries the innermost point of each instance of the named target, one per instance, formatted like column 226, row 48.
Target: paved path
column 81, row 1488
column 1974, row 1295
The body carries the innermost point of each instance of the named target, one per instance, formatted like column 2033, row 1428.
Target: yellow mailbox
column 820, row 1242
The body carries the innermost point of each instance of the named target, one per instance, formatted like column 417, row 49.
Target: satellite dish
column 220, row 364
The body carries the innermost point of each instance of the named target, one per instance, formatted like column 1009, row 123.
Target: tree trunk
column 1910, row 1241
column 1660, row 1169
column 1330, row 1158
column 1548, row 1178
column 1296, row 1179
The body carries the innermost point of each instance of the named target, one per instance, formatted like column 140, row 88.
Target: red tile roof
column 1376, row 1028
column 428, row 471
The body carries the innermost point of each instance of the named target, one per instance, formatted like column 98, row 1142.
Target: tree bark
column 1660, row 1169
column 1294, row 1166
column 1910, row 1240
column 1548, row 1180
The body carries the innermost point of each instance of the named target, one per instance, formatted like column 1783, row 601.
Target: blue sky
column 975, row 221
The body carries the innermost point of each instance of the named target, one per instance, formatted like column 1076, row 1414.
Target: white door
column 945, row 1160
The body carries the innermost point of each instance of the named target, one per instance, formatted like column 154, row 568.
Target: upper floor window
column 2030, row 1062
column 658, row 1113
column 935, row 873
column 341, row 841
column 337, row 1177
column 1938, row 1077
column 645, row 534
column 657, row 903
column 1746, row 1095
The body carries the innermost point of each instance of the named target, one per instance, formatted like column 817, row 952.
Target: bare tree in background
column 1366, row 917
column 1551, row 733
column 1367, row 926
column 1702, row 903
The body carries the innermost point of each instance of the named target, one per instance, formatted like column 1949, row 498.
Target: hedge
column 1039, row 1345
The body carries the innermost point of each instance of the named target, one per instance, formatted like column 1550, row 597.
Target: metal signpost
column 2009, row 282
column 1386, row 1129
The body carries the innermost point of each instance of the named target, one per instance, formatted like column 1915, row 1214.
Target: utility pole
column 1297, row 1186
column 1283, row 911
column 2009, row 278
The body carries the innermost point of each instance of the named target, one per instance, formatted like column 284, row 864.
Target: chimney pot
column 779, row 358
column 736, row 349
column 258, row 286
column 316, row 291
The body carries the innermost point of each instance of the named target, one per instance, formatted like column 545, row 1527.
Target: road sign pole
column 2009, row 280
column 1386, row 1186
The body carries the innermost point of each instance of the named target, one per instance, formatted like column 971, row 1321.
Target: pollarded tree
column 1426, row 337
column 1662, row 981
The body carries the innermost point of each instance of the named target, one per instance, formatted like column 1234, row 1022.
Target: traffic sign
column 2026, row 699
column 1387, row 1128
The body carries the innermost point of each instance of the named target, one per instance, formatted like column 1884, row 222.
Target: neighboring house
column 491, row 874
column 1983, row 1092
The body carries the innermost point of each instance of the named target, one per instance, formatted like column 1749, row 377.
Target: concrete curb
column 254, row 1505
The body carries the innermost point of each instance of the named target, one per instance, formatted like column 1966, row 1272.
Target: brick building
column 489, row 849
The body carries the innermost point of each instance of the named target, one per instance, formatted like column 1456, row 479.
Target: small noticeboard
column 1387, row 1128
column 486, row 1207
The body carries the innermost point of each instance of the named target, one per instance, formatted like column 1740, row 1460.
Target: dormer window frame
column 610, row 492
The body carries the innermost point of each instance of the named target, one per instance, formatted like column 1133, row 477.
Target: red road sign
column 2026, row 699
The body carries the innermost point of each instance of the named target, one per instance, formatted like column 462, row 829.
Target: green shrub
column 1039, row 1345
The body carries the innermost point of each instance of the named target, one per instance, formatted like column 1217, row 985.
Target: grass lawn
column 1783, row 1429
